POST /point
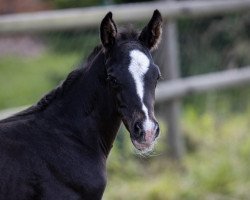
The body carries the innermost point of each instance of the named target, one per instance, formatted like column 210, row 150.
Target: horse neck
column 89, row 108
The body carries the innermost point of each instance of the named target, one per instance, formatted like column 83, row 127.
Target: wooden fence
column 170, row 91
column 90, row 17
column 178, row 88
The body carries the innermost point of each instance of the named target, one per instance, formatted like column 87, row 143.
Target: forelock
column 128, row 33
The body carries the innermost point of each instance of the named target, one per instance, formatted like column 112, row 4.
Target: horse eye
column 158, row 78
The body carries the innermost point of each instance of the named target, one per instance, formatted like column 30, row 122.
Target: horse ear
column 108, row 31
column 151, row 34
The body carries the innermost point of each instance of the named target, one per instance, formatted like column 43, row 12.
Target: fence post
column 171, row 110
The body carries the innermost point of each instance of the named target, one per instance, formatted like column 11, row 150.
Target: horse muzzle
column 144, row 135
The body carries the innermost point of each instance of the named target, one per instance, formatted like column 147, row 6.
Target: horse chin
column 142, row 147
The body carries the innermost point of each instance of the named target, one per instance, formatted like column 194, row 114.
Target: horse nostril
column 138, row 130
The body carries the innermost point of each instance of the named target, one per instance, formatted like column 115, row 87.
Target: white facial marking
column 139, row 65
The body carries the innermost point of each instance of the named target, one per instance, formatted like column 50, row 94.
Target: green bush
column 75, row 3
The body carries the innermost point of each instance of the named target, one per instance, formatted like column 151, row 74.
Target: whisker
column 147, row 153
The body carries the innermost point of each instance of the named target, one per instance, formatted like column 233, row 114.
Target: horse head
column 132, row 76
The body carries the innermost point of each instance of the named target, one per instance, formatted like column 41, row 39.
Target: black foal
column 57, row 149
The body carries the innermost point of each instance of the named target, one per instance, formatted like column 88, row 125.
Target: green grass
column 217, row 168
column 24, row 80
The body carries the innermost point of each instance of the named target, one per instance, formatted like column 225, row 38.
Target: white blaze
column 139, row 65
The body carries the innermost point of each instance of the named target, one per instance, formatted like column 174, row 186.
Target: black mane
column 71, row 78
column 59, row 90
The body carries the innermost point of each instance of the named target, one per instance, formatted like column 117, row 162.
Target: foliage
column 217, row 169
column 75, row 3
column 61, row 4
column 213, row 44
column 76, row 41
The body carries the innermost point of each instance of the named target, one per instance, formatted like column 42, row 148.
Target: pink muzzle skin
column 147, row 142
column 149, row 137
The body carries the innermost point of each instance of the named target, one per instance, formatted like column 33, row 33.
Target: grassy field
column 216, row 165
column 24, row 80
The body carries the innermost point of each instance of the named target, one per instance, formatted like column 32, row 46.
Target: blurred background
column 203, row 101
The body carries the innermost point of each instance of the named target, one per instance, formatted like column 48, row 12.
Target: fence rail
column 90, row 17
column 179, row 88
